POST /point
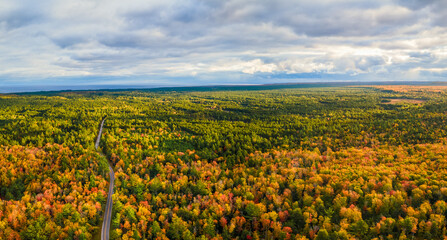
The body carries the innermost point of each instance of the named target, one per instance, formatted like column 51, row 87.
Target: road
column 108, row 211
column 99, row 133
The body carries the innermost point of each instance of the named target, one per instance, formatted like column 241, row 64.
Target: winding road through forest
column 108, row 211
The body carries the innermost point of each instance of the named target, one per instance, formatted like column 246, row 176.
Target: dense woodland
column 314, row 163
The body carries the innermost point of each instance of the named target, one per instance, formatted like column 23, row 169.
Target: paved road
column 108, row 211
column 99, row 133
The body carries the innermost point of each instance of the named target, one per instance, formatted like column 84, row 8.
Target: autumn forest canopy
column 347, row 162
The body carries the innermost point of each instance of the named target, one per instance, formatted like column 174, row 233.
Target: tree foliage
column 327, row 163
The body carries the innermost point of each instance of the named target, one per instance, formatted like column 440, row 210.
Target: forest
column 344, row 162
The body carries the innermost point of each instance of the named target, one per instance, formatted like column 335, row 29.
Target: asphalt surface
column 99, row 133
column 108, row 212
column 105, row 231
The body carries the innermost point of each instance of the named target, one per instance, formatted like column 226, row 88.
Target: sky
column 194, row 42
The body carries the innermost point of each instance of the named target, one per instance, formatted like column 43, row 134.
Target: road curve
column 108, row 211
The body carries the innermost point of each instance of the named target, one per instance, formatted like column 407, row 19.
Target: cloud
column 212, row 41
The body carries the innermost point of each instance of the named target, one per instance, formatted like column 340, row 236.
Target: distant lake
column 222, row 87
column 38, row 88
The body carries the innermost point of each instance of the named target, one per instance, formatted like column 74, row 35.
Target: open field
column 402, row 100
column 411, row 88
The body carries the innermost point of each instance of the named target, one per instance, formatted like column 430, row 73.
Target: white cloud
column 209, row 39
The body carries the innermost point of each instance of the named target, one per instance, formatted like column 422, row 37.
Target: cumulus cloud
column 212, row 41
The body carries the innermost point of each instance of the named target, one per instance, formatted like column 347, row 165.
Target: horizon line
column 33, row 89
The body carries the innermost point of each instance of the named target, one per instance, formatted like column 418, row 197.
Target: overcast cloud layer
column 193, row 42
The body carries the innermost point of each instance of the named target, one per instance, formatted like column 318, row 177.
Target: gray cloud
column 198, row 39
column 17, row 19
column 417, row 4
